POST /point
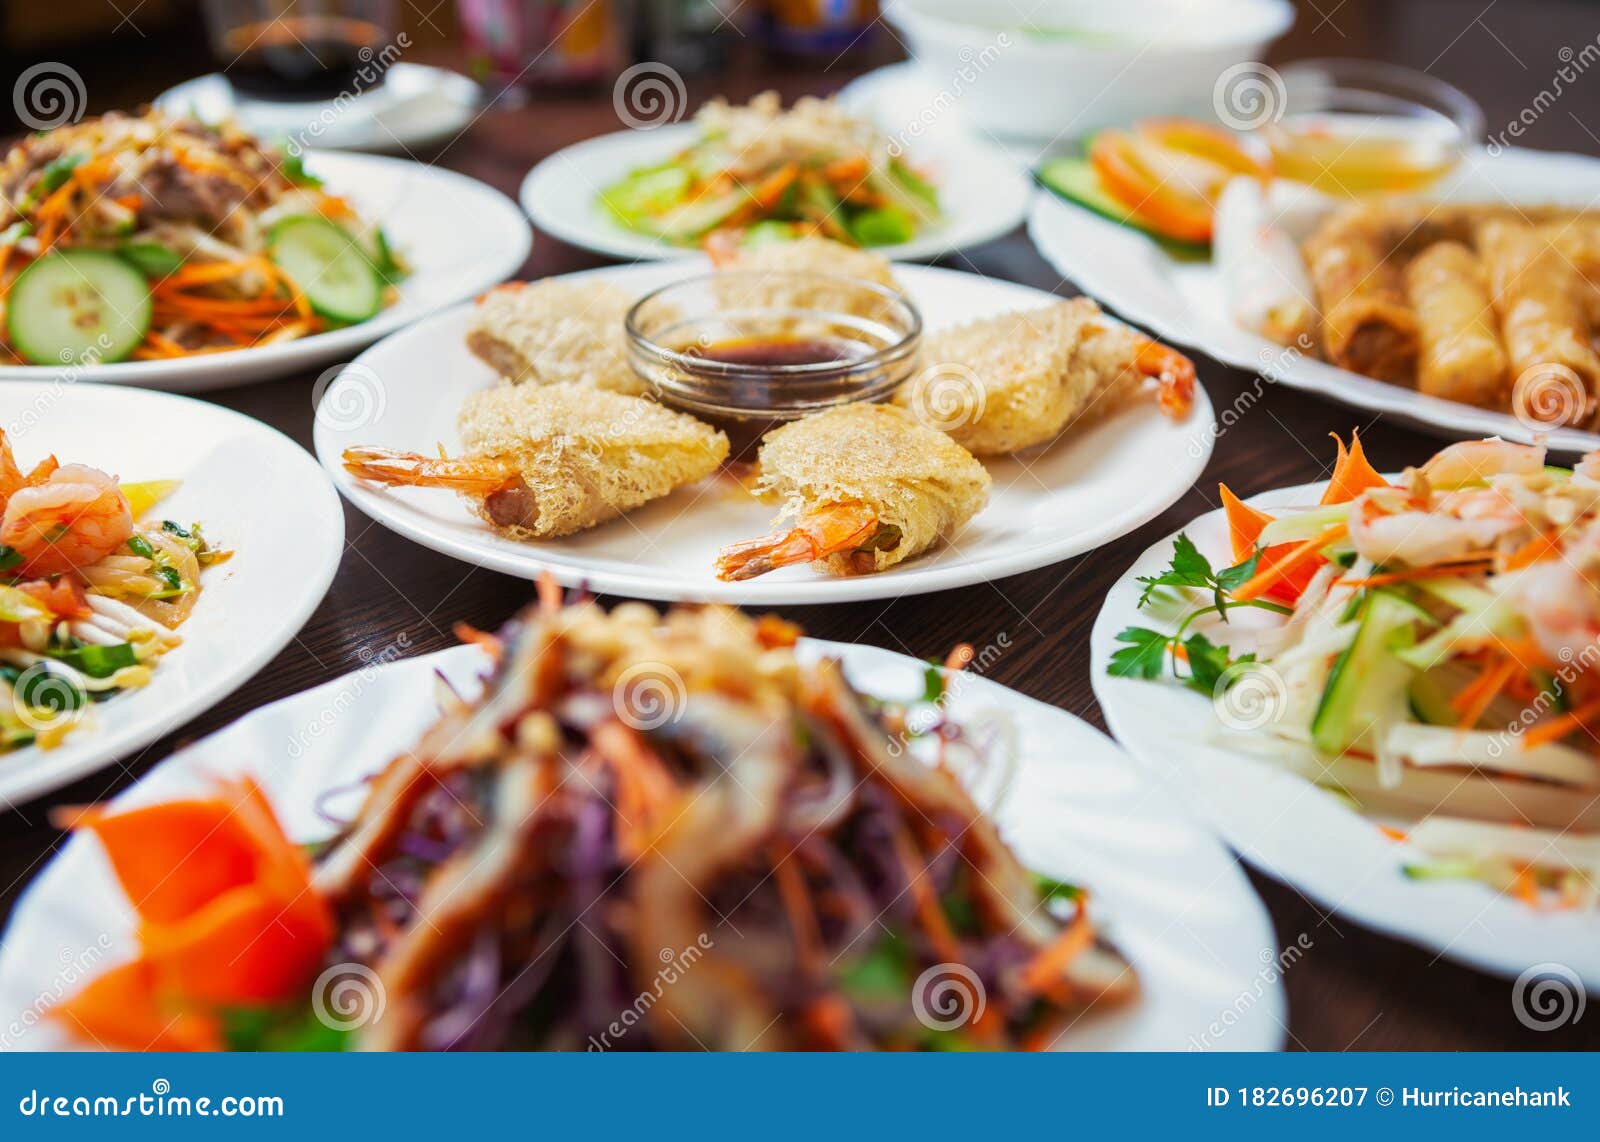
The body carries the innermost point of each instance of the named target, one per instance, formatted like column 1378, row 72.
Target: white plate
column 1167, row 893
column 1184, row 303
column 415, row 106
column 1295, row 831
column 254, row 490
column 1099, row 482
column 982, row 193
column 460, row 236
column 904, row 102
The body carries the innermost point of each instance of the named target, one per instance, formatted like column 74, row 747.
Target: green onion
column 152, row 259
column 140, row 546
column 99, row 661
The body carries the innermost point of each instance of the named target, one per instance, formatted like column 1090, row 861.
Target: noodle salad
column 151, row 237
column 91, row 595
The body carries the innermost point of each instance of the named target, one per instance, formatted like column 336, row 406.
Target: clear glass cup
column 303, row 50
column 748, row 351
column 1355, row 127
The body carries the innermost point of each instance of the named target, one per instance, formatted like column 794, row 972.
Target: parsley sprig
column 1147, row 652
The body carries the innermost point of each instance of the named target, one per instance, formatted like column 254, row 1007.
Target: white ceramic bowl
column 1095, row 64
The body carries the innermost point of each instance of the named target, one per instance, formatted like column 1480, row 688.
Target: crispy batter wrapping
column 1460, row 356
column 554, row 332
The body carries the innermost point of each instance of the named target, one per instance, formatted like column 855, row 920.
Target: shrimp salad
column 1426, row 647
column 151, row 237
column 91, row 595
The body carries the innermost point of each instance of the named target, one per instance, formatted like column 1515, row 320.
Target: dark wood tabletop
column 1353, row 989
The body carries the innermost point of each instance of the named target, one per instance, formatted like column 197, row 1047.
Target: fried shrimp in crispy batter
column 555, row 332
column 868, row 487
column 541, row 461
column 1001, row 384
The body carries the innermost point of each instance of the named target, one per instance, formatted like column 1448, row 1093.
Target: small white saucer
column 416, row 106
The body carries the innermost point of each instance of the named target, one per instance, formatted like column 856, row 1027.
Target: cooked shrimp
column 73, row 517
column 847, row 527
column 493, row 479
column 1173, row 373
column 1474, row 461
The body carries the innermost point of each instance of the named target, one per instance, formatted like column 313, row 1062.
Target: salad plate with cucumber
column 164, row 252
column 1385, row 691
column 760, row 173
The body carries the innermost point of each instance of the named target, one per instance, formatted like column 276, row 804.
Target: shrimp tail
column 818, row 534
column 474, row 475
column 1173, row 373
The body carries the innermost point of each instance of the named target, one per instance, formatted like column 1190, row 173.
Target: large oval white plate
column 1078, row 809
column 460, row 236
column 982, row 193
column 1101, row 481
column 256, row 492
column 1183, row 302
column 1300, row 834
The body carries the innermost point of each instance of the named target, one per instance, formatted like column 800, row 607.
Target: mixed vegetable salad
column 156, row 237
column 1429, row 643
column 768, row 174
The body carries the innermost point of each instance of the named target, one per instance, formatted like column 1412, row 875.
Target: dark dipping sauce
column 760, row 394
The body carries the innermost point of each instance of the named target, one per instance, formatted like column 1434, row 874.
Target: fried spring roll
column 1539, row 297
column 1460, row 356
column 1367, row 327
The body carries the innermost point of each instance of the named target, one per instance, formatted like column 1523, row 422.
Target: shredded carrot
column 1525, row 888
column 1487, row 688
column 841, row 169
column 1302, row 553
column 797, row 906
column 549, row 592
column 1394, row 834
column 1436, row 571
column 1044, row 972
column 1554, row 729
column 927, row 904
column 1536, row 550
column 485, row 641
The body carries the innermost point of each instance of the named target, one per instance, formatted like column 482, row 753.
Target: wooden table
column 1354, row 989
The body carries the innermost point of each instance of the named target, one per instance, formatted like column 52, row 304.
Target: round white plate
column 1078, row 809
column 1099, row 482
column 1288, row 827
column 908, row 105
column 1183, row 302
column 416, row 106
column 982, row 193
column 460, row 236
column 255, row 492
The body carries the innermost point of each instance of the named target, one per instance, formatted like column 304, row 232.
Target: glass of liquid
column 1358, row 127
column 303, row 50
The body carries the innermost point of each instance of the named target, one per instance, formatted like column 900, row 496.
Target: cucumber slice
column 78, row 307
column 1075, row 180
column 328, row 265
column 1368, row 686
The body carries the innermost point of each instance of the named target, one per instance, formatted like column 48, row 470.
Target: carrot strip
column 1554, row 729
column 1299, row 556
column 1352, row 474
column 1245, row 523
column 1490, row 689
column 1536, row 550
column 1438, row 570
column 1045, row 970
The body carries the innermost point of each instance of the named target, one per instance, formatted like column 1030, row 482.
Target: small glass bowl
column 1353, row 127
column 675, row 332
